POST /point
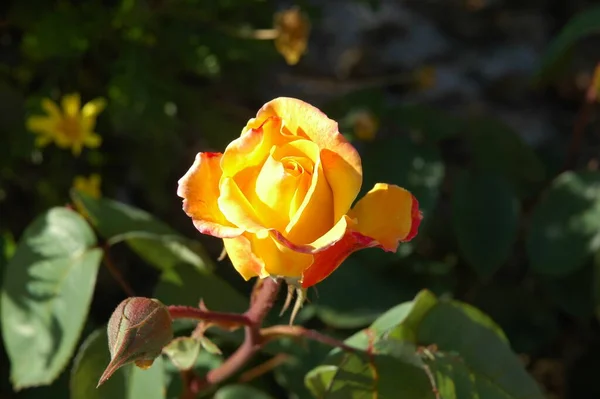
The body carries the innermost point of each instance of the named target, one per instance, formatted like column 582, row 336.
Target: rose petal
column 327, row 261
column 280, row 260
column 253, row 147
column 275, row 189
column 388, row 214
column 384, row 216
column 239, row 250
column 328, row 239
column 314, row 218
column 199, row 188
column 237, row 209
column 341, row 161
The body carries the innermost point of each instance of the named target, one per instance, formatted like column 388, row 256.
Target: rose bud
column 137, row 331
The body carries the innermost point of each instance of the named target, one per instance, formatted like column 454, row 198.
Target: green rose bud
column 137, row 331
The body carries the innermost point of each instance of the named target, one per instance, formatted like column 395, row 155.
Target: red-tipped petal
column 199, row 188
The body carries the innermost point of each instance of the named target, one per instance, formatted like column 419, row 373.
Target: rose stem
column 271, row 333
column 252, row 341
column 189, row 312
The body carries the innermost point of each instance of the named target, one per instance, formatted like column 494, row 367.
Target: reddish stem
column 189, row 312
column 271, row 333
column 252, row 341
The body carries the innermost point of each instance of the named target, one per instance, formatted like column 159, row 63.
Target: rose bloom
column 280, row 197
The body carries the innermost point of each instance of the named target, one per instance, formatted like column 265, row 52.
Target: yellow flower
column 69, row 127
column 425, row 77
column 365, row 125
column 88, row 185
column 280, row 197
column 293, row 28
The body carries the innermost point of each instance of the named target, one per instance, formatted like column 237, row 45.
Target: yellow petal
column 93, row 108
column 71, row 104
column 62, row 140
column 237, row 209
column 51, row 108
column 42, row 141
column 341, row 162
column 315, row 216
column 242, row 257
column 293, row 29
column 199, row 188
column 41, row 124
column 76, row 148
column 328, row 239
column 253, row 147
column 274, row 189
column 90, row 186
column 92, row 140
column 280, row 260
column 387, row 214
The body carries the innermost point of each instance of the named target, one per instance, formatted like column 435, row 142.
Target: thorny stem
column 252, row 341
column 255, row 336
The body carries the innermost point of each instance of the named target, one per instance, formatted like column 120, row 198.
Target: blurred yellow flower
column 88, row 185
column 425, row 77
column 293, row 28
column 365, row 125
column 69, row 127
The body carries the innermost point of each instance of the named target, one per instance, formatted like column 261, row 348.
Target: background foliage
column 474, row 106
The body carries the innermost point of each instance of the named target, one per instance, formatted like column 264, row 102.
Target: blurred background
column 485, row 109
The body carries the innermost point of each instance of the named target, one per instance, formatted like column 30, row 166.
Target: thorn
column 300, row 298
column 222, row 255
column 288, row 299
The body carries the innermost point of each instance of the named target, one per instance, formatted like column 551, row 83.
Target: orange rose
column 280, row 197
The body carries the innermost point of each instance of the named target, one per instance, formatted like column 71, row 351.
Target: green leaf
column 209, row 346
column 405, row 315
column 112, row 218
column 46, row 295
column 150, row 238
column 240, row 391
column 498, row 148
column 186, row 285
column 360, row 375
column 441, row 330
column 130, row 382
column 204, row 363
column 485, row 215
column 581, row 25
column 565, row 224
column 301, row 359
column 434, row 124
column 489, row 368
column 165, row 251
column 183, row 352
